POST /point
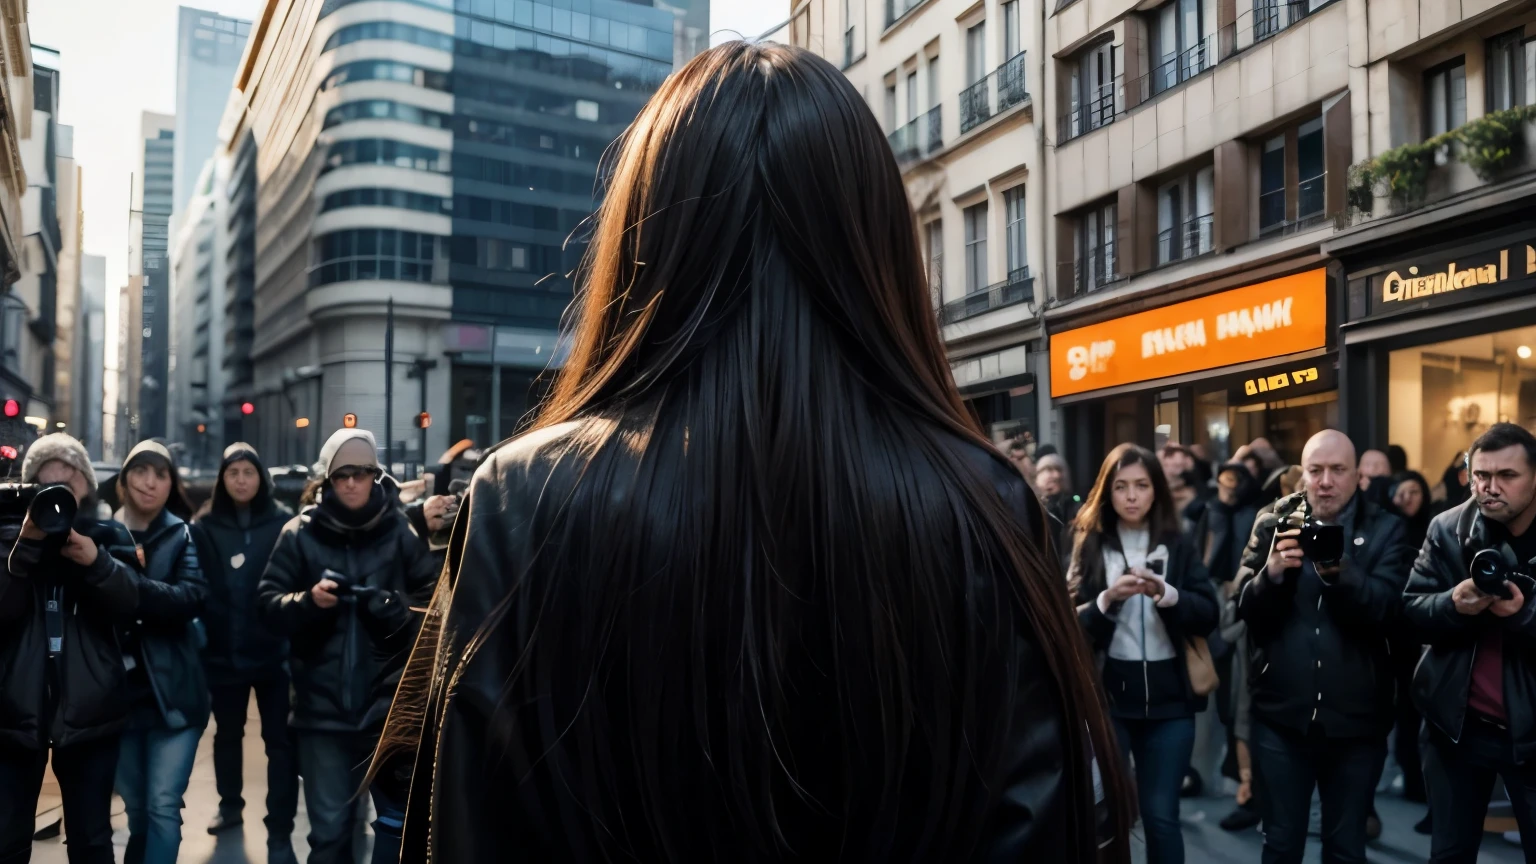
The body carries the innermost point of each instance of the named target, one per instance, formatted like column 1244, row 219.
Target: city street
column 1205, row 842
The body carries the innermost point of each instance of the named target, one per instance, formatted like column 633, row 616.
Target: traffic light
column 349, row 421
column 423, row 420
column 301, row 423
column 201, row 428
column 247, row 408
column 12, row 408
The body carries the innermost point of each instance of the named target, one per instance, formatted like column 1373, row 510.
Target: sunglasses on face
column 353, row 475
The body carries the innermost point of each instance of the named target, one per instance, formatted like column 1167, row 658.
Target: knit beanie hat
column 349, row 448
column 57, row 447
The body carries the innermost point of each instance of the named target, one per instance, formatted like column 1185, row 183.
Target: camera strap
column 53, row 620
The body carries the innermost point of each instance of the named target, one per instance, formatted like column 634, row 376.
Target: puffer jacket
column 234, row 557
column 1318, row 649
column 346, row 660
column 1443, row 680
column 167, row 626
column 90, row 700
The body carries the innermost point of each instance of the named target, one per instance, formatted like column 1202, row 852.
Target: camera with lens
column 1492, row 574
column 1322, row 544
column 345, row 587
column 49, row 508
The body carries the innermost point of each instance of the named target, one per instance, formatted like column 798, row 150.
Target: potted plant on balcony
column 1493, row 143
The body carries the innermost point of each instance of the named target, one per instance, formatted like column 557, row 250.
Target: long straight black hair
column 785, row 590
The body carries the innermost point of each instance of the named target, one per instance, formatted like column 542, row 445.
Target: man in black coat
column 66, row 696
column 235, row 539
column 1320, row 675
column 341, row 583
column 1476, row 685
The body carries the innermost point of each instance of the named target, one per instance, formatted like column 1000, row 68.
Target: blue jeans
column 153, row 768
column 387, row 827
column 1161, row 750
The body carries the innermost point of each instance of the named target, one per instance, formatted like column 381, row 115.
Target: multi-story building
column 1200, row 153
column 71, row 214
column 197, row 269
column 130, row 367
column 90, row 356
column 15, row 127
column 1437, row 311
column 28, row 320
column 208, row 51
column 952, row 82
column 434, row 156
column 239, row 254
column 149, row 324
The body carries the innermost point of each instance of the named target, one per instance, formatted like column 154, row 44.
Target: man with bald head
column 1320, row 674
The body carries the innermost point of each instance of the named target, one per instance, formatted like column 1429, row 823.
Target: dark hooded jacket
column 78, row 695
column 166, row 637
column 1224, row 528
column 234, row 548
column 346, row 660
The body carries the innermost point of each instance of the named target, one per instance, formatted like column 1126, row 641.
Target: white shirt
column 1139, row 630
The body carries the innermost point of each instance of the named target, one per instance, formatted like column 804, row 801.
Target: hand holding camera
column 333, row 587
column 1140, row 580
column 1493, row 584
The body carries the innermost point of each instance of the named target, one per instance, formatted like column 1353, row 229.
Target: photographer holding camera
column 61, row 673
column 1469, row 599
column 340, row 584
column 1321, row 577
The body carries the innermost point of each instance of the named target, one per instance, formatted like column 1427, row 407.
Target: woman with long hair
column 1143, row 591
column 754, row 588
column 162, row 649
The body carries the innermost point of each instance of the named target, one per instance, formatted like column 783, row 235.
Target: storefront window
column 1211, row 427
column 1165, row 419
column 1119, row 421
column 1442, row 396
column 1228, row 417
column 1008, row 416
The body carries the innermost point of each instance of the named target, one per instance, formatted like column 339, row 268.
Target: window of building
column 1178, row 45
column 1311, row 170
column 391, row 31
column 386, row 70
column 1012, row 38
column 384, row 109
column 934, row 95
column 848, row 33
column 1091, row 90
column 1272, row 184
column 975, row 247
column 379, row 151
column 1185, row 216
column 1505, row 70
column 890, row 106
column 398, row 198
column 1018, row 249
column 372, row 253
column 1445, row 97
column 912, row 95
column 976, row 53
column 1094, row 248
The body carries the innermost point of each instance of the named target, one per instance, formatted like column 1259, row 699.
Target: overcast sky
column 119, row 60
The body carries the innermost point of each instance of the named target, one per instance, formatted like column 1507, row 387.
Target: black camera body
column 51, row 509
column 345, row 587
column 1492, row 574
column 1323, row 545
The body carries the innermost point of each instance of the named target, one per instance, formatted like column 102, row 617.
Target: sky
column 118, row 59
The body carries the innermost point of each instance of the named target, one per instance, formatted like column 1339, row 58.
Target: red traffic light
column 349, row 421
column 7, row 452
column 247, row 408
column 423, row 420
column 12, row 408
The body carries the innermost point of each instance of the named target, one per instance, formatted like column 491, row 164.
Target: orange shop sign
column 1270, row 319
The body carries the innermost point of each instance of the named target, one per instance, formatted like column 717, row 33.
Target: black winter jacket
column 346, row 660
column 234, row 557
column 1225, row 528
column 468, row 801
column 1318, row 650
column 1195, row 614
column 89, row 701
column 167, row 626
column 1443, row 680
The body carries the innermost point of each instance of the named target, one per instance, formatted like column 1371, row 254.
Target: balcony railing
column 923, row 136
column 1311, row 196
column 1311, row 201
column 1004, row 88
column 1093, row 270
column 1190, row 240
column 1097, row 109
column 895, row 9
column 1272, row 16
column 1176, row 70
column 1018, row 288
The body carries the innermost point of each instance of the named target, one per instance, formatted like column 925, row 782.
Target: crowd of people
column 119, row 642
column 1312, row 665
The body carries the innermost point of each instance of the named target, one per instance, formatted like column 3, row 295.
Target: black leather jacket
column 90, row 701
column 1443, row 680
column 468, row 803
column 345, row 660
column 167, row 624
column 234, row 557
column 1318, row 650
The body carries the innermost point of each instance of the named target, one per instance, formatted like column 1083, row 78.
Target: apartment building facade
column 953, row 84
column 1438, row 307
